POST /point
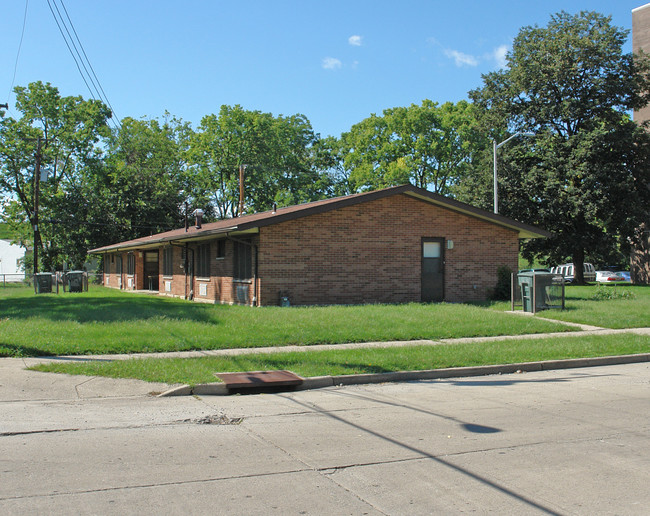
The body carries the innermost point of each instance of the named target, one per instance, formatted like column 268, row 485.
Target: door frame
column 145, row 268
column 441, row 241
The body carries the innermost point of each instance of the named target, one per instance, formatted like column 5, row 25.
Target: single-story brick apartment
column 399, row 244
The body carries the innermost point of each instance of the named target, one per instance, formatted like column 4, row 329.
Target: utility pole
column 37, row 186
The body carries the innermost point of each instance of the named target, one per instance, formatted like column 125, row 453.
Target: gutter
column 170, row 239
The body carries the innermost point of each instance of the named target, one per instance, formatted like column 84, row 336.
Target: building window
column 168, row 261
column 203, row 261
column 130, row 264
column 221, row 248
column 118, row 265
column 243, row 266
column 107, row 265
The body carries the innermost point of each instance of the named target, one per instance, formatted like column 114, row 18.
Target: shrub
column 501, row 291
column 608, row 293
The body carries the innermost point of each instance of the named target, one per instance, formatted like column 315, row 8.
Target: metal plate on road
column 255, row 379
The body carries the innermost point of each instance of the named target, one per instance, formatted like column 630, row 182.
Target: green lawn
column 628, row 308
column 105, row 321
column 108, row 321
column 355, row 361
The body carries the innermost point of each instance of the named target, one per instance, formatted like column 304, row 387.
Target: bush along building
column 396, row 245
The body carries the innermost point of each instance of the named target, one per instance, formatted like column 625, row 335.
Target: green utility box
column 541, row 291
column 75, row 281
column 43, row 282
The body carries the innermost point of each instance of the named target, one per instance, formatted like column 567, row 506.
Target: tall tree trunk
column 578, row 266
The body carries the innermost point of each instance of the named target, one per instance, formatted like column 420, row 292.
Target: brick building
column 399, row 244
column 640, row 258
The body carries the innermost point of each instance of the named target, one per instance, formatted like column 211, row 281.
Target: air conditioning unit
column 242, row 294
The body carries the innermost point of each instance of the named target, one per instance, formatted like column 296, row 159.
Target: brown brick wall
column 217, row 288
column 640, row 257
column 128, row 281
column 366, row 253
column 641, row 41
column 371, row 253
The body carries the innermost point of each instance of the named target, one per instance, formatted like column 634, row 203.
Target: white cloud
column 499, row 55
column 355, row 41
column 331, row 63
column 460, row 58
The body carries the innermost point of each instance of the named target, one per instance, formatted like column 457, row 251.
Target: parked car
column 534, row 270
column 566, row 270
column 608, row 277
column 626, row 276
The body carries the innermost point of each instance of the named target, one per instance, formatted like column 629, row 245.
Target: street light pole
column 495, row 146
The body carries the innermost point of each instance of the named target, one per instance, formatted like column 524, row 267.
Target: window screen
column 243, row 266
column 130, row 264
column 203, row 261
column 168, row 261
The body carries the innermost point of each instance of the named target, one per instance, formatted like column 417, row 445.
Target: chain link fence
column 25, row 279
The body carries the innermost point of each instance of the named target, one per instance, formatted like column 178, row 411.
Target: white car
column 609, row 277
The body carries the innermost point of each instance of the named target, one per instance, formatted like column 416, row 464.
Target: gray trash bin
column 43, row 282
column 535, row 294
column 75, row 281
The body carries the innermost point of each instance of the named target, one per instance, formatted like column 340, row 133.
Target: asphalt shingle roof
column 257, row 220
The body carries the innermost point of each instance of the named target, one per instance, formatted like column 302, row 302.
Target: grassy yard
column 608, row 306
column 355, row 361
column 105, row 321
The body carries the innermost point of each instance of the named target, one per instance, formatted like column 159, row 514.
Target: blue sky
column 334, row 61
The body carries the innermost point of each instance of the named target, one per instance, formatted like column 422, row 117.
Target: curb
column 320, row 382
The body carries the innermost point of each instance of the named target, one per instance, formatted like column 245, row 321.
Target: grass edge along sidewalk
column 379, row 360
column 104, row 321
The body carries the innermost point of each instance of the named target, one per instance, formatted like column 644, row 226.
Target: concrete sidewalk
column 18, row 383
column 549, row 442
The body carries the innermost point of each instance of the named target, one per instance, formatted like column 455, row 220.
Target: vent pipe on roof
column 275, row 207
column 242, row 169
column 198, row 214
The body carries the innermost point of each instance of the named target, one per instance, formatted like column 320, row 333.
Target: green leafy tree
column 67, row 133
column 142, row 182
column 585, row 175
column 428, row 145
column 281, row 156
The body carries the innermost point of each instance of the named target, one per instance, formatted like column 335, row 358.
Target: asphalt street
column 573, row 441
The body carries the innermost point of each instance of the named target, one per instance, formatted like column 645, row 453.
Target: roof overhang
column 156, row 241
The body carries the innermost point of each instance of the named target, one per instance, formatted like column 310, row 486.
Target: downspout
column 255, row 300
column 192, row 275
column 185, row 271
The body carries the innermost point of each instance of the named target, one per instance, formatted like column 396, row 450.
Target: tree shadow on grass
column 89, row 307
column 13, row 351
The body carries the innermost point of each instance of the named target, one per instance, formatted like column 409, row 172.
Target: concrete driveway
column 554, row 442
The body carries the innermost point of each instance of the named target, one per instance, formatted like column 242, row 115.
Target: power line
column 20, row 45
column 89, row 64
column 78, row 58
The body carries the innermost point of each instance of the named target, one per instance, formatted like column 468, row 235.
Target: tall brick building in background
column 640, row 259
